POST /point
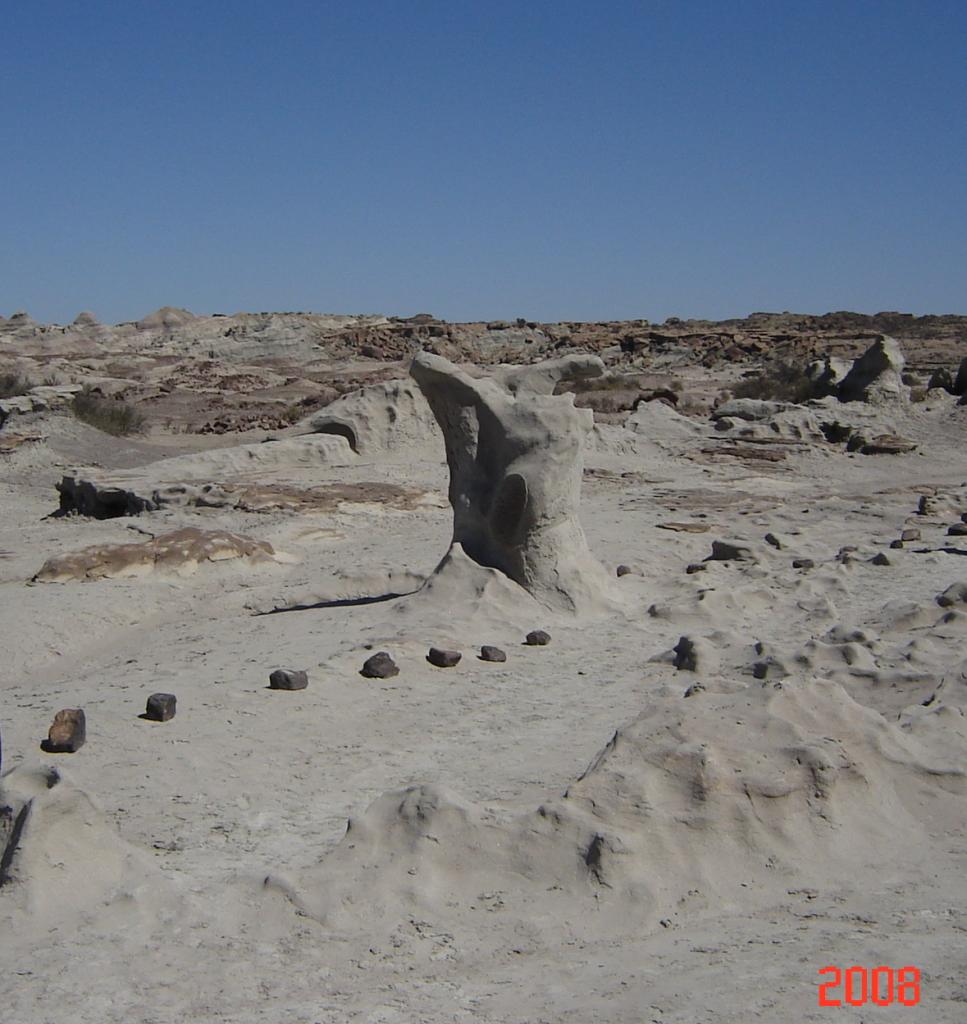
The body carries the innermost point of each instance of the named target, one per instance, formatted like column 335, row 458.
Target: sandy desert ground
column 721, row 775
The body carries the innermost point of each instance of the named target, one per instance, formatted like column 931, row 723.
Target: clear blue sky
column 593, row 160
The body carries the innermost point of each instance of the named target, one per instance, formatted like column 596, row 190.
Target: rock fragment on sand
column 537, row 638
column 490, row 653
column 956, row 593
column 694, row 654
column 876, row 376
column 880, row 559
column 769, row 667
column 896, row 544
column 887, row 444
column 957, row 530
column 161, row 707
column 695, row 567
column 803, row 563
column 623, row 570
column 288, row 679
column 771, row 538
column 911, row 533
column 694, row 689
column 68, row 732
column 731, row 551
column 443, row 659
column 379, row 666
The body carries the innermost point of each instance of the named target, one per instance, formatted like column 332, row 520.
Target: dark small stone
column 488, row 653
column 288, row 679
column 941, row 378
column 161, row 707
column 896, row 543
column 924, row 506
column 730, row 550
column 537, row 638
column 696, row 567
column 686, row 654
column 957, row 530
column 693, row 689
column 880, row 559
column 623, row 570
column 803, row 563
column 443, row 659
column 769, row 668
column 772, row 539
column 68, row 732
column 911, row 533
column 379, row 666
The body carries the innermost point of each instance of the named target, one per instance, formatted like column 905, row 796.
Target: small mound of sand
column 61, row 857
column 714, row 794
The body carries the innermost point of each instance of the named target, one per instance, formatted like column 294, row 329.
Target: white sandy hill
column 63, row 859
column 704, row 801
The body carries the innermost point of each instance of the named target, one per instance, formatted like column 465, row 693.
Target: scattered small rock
column 887, row 444
column 956, row 593
column 693, row 689
column 957, row 530
column 443, row 659
column 623, row 570
column 67, row 733
column 694, row 654
column 769, row 667
column 161, row 707
column 537, row 638
column 803, row 563
column 941, row 378
column 489, row 653
column 911, row 533
column 288, row 679
column 379, row 666
column 696, row 567
column 896, row 543
column 731, row 550
column 772, row 539
column 880, row 559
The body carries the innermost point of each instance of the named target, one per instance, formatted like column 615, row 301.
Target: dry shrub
column 13, row 384
column 111, row 415
column 780, row 381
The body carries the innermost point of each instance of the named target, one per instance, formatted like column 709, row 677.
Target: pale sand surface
column 149, row 902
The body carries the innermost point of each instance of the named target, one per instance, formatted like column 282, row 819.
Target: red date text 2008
column 882, row 986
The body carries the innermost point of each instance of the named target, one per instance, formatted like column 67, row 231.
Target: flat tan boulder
column 179, row 553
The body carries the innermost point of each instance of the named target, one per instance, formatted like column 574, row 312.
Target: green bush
column 13, row 384
column 108, row 414
column 781, row 381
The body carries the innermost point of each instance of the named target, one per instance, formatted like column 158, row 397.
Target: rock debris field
column 501, row 673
